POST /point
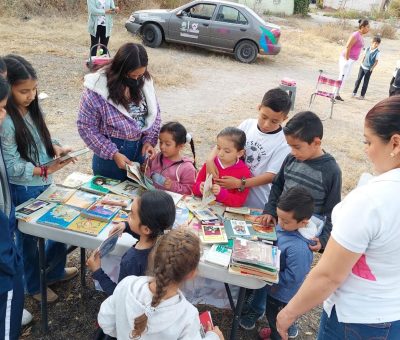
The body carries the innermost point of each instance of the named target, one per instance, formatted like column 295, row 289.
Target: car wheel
column 246, row 51
column 152, row 35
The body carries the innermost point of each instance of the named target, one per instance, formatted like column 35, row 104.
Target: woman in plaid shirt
column 119, row 117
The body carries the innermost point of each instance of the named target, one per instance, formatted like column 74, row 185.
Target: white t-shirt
column 265, row 152
column 101, row 19
column 367, row 222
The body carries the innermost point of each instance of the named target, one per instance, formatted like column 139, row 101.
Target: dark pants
column 366, row 74
column 11, row 307
column 108, row 168
column 273, row 307
column 99, row 38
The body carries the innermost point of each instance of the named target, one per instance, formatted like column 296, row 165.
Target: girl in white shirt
column 153, row 308
column 358, row 275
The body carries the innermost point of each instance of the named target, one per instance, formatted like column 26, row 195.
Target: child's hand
column 202, row 187
column 229, row 182
column 317, row 246
column 148, row 149
column 94, row 262
column 211, row 168
column 216, row 189
column 117, row 228
column 266, row 220
column 215, row 329
column 57, row 165
column 168, row 183
column 61, row 151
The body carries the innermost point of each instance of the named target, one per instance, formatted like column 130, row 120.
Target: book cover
column 219, row 254
column 213, row 233
column 182, row 218
column 101, row 211
column 108, row 245
column 254, row 252
column 205, row 214
column 82, row 199
column 205, row 319
column 121, row 216
column 32, row 209
column 99, row 185
column 126, row 188
column 240, row 228
column 134, row 173
column 115, row 199
column 76, row 179
column 87, row 226
column 208, row 195
column 56, row 194
column 239, row 210
column 59, row 216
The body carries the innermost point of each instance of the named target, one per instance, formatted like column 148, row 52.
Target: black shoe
column 339, row 98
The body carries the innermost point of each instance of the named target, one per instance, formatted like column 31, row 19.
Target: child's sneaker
column 265, row 333
column 353, row 94
column 248, row 320
column 293, row 331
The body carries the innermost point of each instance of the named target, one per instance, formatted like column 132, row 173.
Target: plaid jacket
column 100, row 118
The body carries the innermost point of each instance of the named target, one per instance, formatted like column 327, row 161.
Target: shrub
column 394, row 8
column 386, row 31
column 320, row 4
column 301, row 7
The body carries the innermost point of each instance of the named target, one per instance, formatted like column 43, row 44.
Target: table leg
column 83, row 268
column 228, row 292
column 43, row 285
column 237, row 313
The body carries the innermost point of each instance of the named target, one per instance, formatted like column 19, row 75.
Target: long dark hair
column 4, row 88
column 129, row 57
column 19, row 70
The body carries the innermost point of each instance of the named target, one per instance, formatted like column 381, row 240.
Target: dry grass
column 386, row 31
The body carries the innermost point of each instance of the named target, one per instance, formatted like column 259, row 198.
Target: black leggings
column 99, row 38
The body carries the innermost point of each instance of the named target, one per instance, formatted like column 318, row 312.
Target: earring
column 392, row 154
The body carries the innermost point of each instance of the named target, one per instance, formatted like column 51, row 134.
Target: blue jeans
column 56, row 253
column 108, row 168
column 259, row 300
column 331, row 329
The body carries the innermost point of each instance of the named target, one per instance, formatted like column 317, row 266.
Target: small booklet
column 108, row 245
column 99, row 185
column 32, row 209
column 100, row 211
column 219, row 254
column 213, row 233
column 68, row 156
column 135, row 174
column 114, row 199
column 238, row 210
column 208, row 195
column 59, row 216
column 76, row 179
column 57, row 194
column 205, row 319
column 82, row 199
column 126, row 188
column 87, row 226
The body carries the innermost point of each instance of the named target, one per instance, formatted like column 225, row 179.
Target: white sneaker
column 26, row 318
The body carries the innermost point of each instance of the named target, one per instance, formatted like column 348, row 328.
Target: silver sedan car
column 219, row 25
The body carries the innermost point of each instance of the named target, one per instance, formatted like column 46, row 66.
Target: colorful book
column 59, row 216
column 219, row 254
column 126, row 188
column 182, row 217
column 239, row 210
column 254, row 231
column 208, row 195
column 121, row 216
column 114, row 199
column 102, row 212
column 87, row 226
column 82, row 199
column 32, row 209
column 213, row 233
column 108, row 245
column 135, row 173
column 99, row 185
column 56, row 194
column 205, row 320
column 76, row 179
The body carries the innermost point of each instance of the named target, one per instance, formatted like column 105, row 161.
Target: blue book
column 60, row 216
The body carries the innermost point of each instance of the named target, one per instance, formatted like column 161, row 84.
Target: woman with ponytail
column 153, row 307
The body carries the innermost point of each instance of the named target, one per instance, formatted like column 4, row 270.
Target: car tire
column 152, row 35
column 246, row 51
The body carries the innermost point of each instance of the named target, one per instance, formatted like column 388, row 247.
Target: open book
column 135, row 174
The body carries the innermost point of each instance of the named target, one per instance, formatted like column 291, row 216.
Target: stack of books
column 255, row 259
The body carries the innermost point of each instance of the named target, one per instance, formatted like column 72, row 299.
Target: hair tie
column 149, row 311
column 188, row 137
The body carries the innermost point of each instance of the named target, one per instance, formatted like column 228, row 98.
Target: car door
column 230, row 25
column 192, row 24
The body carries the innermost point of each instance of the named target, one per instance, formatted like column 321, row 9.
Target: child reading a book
column 169, row 170
column 151, row 214
column 295, row 221
column 26, row 146
column 229, row 161
column 153, row 307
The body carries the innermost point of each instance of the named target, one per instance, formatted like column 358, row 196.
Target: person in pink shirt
column 169, row 170
column 231, row 142
column 351, row 53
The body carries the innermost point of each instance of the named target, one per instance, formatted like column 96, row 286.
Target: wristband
column 242, row 184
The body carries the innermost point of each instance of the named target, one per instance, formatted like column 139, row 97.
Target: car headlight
column 132, row 18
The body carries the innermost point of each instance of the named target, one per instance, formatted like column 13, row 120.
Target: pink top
column 355, row 50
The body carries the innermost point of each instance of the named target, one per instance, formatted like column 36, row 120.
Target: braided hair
column 174, row 256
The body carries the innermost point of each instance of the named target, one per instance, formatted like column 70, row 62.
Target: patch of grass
column 386, row 31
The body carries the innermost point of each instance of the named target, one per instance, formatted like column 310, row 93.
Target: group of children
column 259, row 164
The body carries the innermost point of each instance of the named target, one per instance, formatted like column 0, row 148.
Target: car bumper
column 133, row 27
column 272, row 50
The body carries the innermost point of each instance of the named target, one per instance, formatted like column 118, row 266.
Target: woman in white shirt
column 358, row 275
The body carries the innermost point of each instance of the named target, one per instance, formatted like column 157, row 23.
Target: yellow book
column 87, row 226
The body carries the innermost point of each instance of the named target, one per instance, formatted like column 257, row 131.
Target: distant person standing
column 100, row 22
column 368, row 64
column 352, row 52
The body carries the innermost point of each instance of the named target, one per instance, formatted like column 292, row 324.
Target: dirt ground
column 205, row 91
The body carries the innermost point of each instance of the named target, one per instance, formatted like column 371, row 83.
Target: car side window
column 201, row 11
column 230, row 15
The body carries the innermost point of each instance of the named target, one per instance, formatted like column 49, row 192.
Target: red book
column 205, row 318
